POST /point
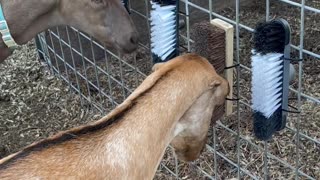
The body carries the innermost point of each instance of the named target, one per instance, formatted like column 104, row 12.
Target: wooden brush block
column 228, row 74
column 210, row 43
column 214, row 41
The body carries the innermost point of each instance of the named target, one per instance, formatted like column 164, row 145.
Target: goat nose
column 134, row 38
column 131, row 43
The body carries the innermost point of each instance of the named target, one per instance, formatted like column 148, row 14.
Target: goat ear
column 157, row 66
column 215, row 83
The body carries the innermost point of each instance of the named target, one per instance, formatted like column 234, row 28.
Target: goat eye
column 97, row 1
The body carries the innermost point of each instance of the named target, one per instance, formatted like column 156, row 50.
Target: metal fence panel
column 103, row 78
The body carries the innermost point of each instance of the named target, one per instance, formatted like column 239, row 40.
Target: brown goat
column 105, row 20
column 173, row 104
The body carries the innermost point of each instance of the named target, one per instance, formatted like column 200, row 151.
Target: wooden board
column 229, row 29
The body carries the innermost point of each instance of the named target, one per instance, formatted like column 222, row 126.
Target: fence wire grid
column 103, row 79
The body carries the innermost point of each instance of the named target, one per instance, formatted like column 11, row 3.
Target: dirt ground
column 35, row 104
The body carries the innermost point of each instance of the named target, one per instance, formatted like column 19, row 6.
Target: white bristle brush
column 270, row 77
column 267, row 80
column 164, row 30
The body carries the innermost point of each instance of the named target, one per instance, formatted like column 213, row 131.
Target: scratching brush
column 164, row 22
column 214, row 41
column 270, row 77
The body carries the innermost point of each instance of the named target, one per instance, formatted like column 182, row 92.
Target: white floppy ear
column 157, row 66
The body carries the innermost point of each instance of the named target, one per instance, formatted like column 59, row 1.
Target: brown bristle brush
column 214, row 41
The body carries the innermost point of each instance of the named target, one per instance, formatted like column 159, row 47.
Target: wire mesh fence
column 103, row 78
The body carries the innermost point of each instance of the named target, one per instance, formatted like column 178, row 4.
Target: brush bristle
column 163, row 31
column 269, row 37
column 210, row 42
column 264, row 127
column 267, row 81
column 267, row 73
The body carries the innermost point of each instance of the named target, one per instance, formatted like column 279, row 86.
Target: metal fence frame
column 46, row 49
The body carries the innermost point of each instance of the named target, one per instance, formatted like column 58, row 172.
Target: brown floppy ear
column 157, row 66
column 214, row 84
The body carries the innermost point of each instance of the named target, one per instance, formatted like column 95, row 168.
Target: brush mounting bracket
column 234, row 66
column 287, row 29
column 288, row 111
column 292, row 59
column 236, row 99
column 165, row 2
column 286, row 69
column 231, row 67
